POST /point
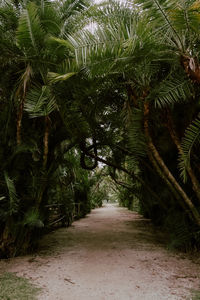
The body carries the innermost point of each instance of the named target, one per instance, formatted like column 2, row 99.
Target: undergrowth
column 13, row 287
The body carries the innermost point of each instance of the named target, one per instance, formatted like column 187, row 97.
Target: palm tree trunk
column 45, row 158
column 175, row 139
column 165, row 169
column 21, row 93
column 46, row 140
column 45, row 148
column 19, row 121
column 40, row 194
column 8, row 239
column 192, row 68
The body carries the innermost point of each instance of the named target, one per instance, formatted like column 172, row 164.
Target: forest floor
column 112, row 254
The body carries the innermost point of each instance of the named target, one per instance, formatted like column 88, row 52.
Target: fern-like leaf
column 55, row 77
column 32, row 219
column 30, row 34
column 171, row 91
column 13, row 199
column 191, row 139
column 40, row 102
column 159, row 12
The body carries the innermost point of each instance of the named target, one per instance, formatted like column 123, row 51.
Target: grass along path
column 112, row 254
column 13, row 287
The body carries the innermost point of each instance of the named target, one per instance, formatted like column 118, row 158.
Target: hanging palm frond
column 39, row 102
column 171, row 91
column 13, row 203
column 190, row 140
column 55, row 77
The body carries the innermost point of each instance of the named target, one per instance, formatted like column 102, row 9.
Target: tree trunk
column 191, row 67
column 165, row 169
column 7, row 243
column 19, row 121
column 45, row 158
column 21, row 94
column 46, row 140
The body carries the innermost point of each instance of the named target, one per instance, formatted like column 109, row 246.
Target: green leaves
column 190, row 140
column 13, row 200
column 32, row 219
column 55, row 77
column 40, row 102
column 171, row 91
column 30, row 34
column 176, row 21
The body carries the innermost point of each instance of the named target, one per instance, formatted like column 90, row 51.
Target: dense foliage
column 115, row 84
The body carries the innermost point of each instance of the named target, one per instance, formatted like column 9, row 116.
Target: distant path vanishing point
column 112, row 254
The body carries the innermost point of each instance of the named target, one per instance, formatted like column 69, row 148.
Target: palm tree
column 31, row 55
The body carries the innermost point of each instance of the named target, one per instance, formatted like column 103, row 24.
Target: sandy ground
column 112, row 254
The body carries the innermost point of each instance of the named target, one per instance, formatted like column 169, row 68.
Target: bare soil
column 112, row 254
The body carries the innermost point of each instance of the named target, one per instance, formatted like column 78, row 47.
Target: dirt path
column 113, row 254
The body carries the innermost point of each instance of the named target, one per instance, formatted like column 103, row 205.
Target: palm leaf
column 159, row 11
column 39, row 102
column 186, row 16
column 32, row 219
column 13, row 199
column 190, row 140
column 171, row 91
column 55, row 77
column 73, row 13
column 50, row 17
column 30, row 34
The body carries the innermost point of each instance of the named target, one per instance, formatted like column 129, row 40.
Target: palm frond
column 30, row 34
column 72, row 7
column 40, row 102
column 186, row 16
column 74, row 14
column 13, row 199
column 116, row 48
column 190, row 140
column 171, row 91
column 55, row 77
column 50, row 17
column 32, row 219
column 158, row 12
